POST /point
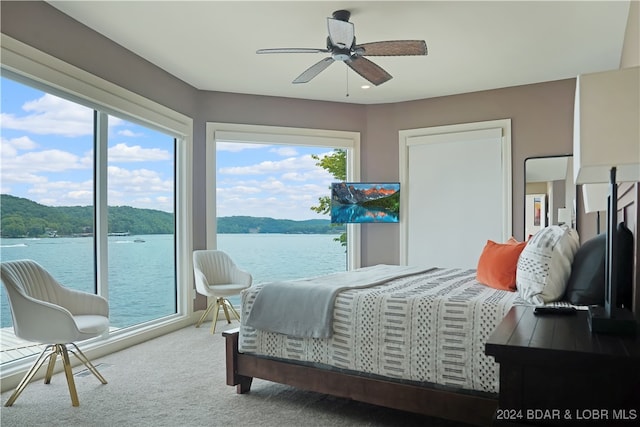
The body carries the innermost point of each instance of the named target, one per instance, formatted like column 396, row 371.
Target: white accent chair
column 217, row 276
column 45, row 312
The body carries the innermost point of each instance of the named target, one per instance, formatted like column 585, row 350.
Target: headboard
column 629, row 213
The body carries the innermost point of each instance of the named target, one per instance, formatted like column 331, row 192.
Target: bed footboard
column 242, row 368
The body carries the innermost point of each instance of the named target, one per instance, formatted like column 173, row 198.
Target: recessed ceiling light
column 365, row 87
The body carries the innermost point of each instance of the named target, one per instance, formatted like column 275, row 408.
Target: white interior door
column 455, row 196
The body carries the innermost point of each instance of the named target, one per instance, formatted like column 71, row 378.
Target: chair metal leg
column 48, row 351
column 52, row 364
column 224, row 304
column 85, row 360
column 215, row 316
column 62, row 349
column 205, row 314
column 51, row 352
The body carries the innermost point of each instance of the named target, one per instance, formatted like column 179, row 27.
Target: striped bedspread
column 309, row 302
column 430, row 327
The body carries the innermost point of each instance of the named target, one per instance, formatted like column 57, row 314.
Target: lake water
column 141, row 275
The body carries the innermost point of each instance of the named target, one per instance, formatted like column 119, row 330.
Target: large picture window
column 96, row 188
column 265, row 173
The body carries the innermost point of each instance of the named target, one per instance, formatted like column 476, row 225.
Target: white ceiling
column 473, row 45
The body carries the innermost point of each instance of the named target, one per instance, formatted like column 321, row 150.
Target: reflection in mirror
column 549, row 192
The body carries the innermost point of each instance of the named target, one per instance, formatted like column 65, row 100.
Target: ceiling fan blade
column 291, row 50
column 314, row 70
column 367, row 69
column 341, row 33
column 393, row 48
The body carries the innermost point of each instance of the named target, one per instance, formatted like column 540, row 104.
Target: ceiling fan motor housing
column 342, row 15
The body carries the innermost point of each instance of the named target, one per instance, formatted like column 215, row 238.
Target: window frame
column 35, row 68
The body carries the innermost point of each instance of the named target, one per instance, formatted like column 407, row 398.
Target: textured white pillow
column 544, row 265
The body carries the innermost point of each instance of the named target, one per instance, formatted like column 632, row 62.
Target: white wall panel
column 454, row 196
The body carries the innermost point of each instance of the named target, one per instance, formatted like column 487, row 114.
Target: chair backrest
column 216, row 266
column 43, row 310
column 30, row 278
column 33, row 296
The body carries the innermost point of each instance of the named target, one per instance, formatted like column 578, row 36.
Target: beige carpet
column 179, row 380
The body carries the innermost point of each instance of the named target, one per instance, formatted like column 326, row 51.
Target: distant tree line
column 20, row 217
column 249, row 224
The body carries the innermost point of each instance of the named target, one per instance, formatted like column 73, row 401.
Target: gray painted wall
column 541, row 114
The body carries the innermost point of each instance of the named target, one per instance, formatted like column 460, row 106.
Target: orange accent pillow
column 498, row 263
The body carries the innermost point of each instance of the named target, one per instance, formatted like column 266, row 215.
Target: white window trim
column 233, row 132
column 20, row 59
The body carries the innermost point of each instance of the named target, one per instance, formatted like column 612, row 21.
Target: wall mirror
column 549, row 192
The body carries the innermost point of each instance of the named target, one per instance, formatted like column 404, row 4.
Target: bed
column 414, row 343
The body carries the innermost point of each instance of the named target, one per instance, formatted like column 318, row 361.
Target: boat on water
column 138, row 240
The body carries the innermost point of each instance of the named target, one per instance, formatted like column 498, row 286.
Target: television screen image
column 365, row 202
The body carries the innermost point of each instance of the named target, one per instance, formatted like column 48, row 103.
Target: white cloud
column 121, row 153
column 20, row 177
column 80, row 194
column 270, row 198
column 239, row 190
column 138, row 181
column 279, row 189
column 164, row 200
column 285, row 151
column 268, row 167
column 140, row 188
column 50, row 115
column 41, row 161
column 62, row 193
column 20, row 143
column 9, row 148
column 129, row 133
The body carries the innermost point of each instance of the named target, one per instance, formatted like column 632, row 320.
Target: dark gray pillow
column 625, row 264
column 586, row 282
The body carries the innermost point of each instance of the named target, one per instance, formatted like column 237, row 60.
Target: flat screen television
column 365, row 202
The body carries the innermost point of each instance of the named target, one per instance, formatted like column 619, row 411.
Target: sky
column 46, row 155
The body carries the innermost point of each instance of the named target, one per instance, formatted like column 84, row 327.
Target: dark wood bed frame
column 436, row 402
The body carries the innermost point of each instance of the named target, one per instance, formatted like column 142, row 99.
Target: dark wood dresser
column 554, row 371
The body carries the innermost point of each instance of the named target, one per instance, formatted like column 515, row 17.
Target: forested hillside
column 249, row 224
column 21, row 217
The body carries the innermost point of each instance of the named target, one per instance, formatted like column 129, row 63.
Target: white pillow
column 544, row 265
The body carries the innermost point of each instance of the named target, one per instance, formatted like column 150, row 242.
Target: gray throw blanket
column 304, row 308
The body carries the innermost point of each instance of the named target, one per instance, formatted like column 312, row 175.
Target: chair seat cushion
column 91, row 325
column 225, row 290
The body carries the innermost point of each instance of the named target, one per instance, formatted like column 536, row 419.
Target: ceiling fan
column 341, row 44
